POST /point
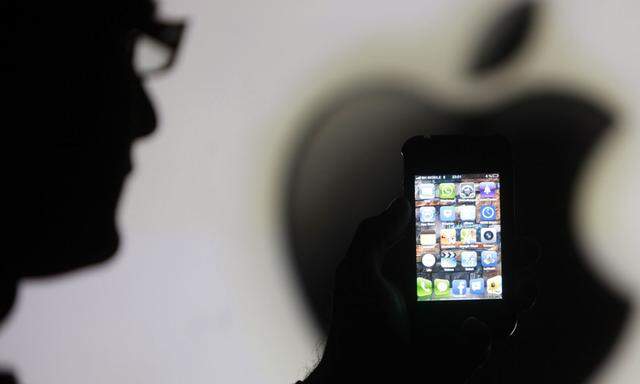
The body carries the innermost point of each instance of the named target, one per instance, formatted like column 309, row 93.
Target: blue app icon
column 427, row 214
column 448, row 259
column 487, row 212
column 469, row 259
column 448, row 213
column 459, row 287
column 476, row 286
column 489, row 258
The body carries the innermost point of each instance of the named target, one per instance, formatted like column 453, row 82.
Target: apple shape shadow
column 349, row 167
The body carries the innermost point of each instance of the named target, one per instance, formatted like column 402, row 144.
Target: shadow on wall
column 349, row 167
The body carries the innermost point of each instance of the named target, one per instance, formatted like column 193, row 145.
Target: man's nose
column 143, row 116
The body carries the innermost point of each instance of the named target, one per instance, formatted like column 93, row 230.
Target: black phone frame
column 461, row 154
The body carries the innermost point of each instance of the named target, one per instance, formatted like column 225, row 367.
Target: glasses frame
column 168, row 33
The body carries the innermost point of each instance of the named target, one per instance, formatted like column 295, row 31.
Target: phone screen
column 458, row 250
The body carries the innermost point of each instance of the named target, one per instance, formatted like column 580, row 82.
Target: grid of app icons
column 458, row 250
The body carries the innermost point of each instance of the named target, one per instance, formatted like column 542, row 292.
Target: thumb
column 361, row 267
column 475, row 340
column 377, row 234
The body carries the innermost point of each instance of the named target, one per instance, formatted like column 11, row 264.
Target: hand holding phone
column 369, row 339
column 457, row 267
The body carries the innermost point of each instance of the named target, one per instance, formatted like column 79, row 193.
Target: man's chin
column 103, row 247
column 68, row 250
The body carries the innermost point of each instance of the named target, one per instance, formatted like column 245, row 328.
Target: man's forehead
column 87, row 14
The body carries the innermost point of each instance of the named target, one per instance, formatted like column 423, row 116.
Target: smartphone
column 461, row 191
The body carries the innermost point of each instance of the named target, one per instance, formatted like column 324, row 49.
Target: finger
column 526, row 295
column 476, row 336
column 377, row 234
column 360, row 270
column 470, row 345
column 475, row 340
column 529, row 253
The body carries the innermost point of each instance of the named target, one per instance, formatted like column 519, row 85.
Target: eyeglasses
column 154, row 47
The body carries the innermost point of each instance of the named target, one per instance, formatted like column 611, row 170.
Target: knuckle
column 368, row 227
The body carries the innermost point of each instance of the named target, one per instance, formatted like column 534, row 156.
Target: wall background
column 201, row 290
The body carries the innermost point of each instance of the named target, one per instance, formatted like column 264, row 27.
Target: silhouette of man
column 81, row 105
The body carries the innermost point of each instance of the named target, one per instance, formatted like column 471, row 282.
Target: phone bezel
column 462, row 155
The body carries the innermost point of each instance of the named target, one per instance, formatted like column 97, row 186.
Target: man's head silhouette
column 82, row 104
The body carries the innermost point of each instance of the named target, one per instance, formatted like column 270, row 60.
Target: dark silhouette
column 370, row 338
column 81, row 105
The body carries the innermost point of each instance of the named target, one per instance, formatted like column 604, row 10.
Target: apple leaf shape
column 505, row 38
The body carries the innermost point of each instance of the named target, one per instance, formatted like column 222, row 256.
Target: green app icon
column 425, row 287
column 447, row 190
column 441, row 287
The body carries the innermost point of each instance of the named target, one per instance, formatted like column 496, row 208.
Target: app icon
column 447, row 190
column 459, row 287
column 494, row 285
column 448, row 259
column 441, row 287
column 487, row 190
column 469, row 259
column 427, row 238
column 467, row 212
column 489, row 258
column 467, row 190
column 426, row 191
column 427, row 214
column 448, row 236
column 468, row 235
column 476, row 286
column 425, row 287
column 428, row 260
column 487, row 212
column 448, row 213
column 488, row 235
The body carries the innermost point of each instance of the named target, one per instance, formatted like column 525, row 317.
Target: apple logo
column 348, row 167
